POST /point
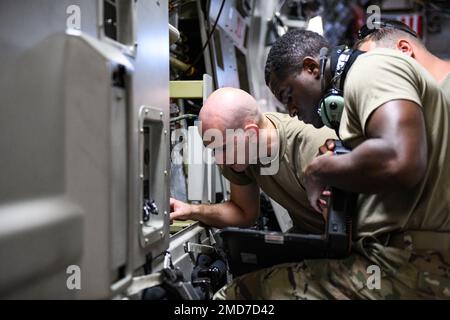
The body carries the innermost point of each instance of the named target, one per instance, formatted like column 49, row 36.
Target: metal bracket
column 191, row 247
column 168, row 264
column 139, row 284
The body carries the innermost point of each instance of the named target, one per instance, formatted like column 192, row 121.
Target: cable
column 192, row 104
column 196, row 60
column 280, row 5
column 184, row 117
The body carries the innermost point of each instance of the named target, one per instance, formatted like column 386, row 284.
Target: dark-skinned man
column 396, row 120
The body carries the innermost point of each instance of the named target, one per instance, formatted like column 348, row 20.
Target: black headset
column 331, row 105
column 367, row 30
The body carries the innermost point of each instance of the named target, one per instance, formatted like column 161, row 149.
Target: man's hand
column 240, row 211
column 327, row 147
column 316, row 189
column 180, row 210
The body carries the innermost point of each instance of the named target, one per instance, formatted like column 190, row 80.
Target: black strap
column 336, row 55
column 355, row 54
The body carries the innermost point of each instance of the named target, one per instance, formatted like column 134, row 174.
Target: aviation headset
column 331, row 105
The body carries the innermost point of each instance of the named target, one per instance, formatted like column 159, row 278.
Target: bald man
column 394, row 37
column 291, row 143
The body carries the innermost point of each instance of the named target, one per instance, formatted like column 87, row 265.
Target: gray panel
column 24, row 23
column 65, row 130
column 46, row 237
column 153, row 174
column 37, row 239
column 150, row 88
column 119, row 179
column 27, row 132
column 31, row 68
column 95, row 164
column 229, row 37
column 44, row 288
column 258, row 51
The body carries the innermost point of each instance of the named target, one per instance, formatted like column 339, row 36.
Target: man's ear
column 251, row 129
column 406, row 47
column 311, row 66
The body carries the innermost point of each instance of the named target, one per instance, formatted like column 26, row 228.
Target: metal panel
column 33, row 142
column 123, row 21
column 229, row 38
column 150, row 88
column 153, row 175
column 63, row 131
column 258, row 50
column 119, row 200
column 37, row 239
column 95, row 157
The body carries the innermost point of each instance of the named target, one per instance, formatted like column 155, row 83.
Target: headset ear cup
column 331, row 108
column 323, row 103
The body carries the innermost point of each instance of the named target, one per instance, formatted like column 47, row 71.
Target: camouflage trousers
column 377, row 273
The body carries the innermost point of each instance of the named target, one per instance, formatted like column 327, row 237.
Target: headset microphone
column 323, row 64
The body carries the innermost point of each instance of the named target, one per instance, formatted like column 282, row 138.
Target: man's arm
column 241, row 211
column 394, row 157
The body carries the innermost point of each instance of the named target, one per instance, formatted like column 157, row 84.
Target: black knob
column 148, row 209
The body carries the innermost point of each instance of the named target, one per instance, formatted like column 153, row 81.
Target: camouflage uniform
column 405, row 274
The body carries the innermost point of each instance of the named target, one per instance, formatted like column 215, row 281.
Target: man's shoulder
column 445, row 85
column 387, row 66
column 279, row 118
column 286, row 123
column 385, row 58
column 292, row 128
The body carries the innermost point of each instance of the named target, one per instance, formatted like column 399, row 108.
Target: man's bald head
column 230, row 108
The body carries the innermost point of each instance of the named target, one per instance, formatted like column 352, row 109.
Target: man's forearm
column 220, row 215
column 370, row 168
